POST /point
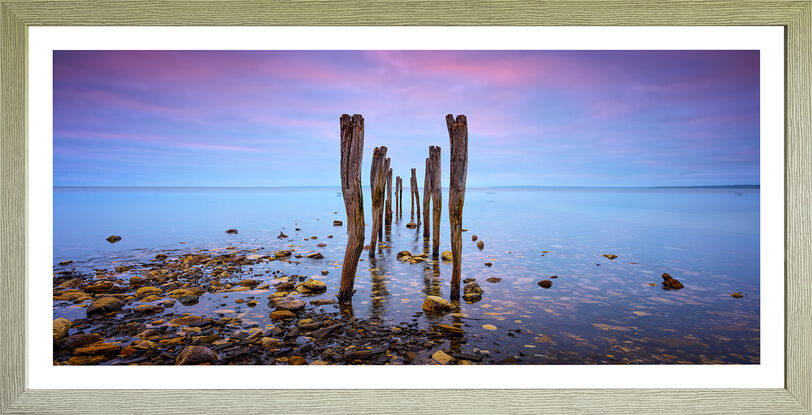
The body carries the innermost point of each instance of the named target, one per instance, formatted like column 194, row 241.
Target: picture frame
column 794, row 16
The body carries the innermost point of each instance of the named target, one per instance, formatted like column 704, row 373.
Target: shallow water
column 597, row 311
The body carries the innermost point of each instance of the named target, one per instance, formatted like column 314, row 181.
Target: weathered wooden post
column 399, row 200
column 436, row 199
column 352, row 152
column 427, row 201
column 458, row 136
column 415, row 196
column 388, row 195
column 384, row 172
column 376, row 182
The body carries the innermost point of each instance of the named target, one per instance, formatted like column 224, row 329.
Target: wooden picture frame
column 795, row 16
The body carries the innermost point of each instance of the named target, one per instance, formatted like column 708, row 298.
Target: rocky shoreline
column 134, row 316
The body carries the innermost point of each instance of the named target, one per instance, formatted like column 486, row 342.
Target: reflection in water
column 706, row 238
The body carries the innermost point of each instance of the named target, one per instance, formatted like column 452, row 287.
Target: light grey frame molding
column 18, row 15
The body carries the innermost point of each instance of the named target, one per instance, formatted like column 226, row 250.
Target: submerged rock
column 545, row 283
column 609, row 256
column 323, row 301
column 337, row 223
column 447, row 256
column 411, row 225
column 669, row 283
column 737, row 295
column 195, row 355
column 436, row 304
column 494, row 279
column 113, row 239
column 472, row 288
column 232, row 231
column 315, row 255
column 66, row 262
column 281, row 253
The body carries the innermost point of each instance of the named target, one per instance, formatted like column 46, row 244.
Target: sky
column 535, row 118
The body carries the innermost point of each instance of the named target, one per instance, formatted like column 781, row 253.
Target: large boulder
column 195, row 355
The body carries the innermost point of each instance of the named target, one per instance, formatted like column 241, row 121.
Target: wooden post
column 388, row 195
column 384, row 172
column 415, row 196
column 376, row 181
column 352, row 153
column 458, row 136
column 436, row 198
column 427, row 201
column 399, row 200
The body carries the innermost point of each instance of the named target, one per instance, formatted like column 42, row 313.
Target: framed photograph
column 606, row 209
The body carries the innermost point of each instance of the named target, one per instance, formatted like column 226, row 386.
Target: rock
column 148, row 308
column 282, row 235
column 553, row 276
column 137, row 281
column 441, row 357
column 737, row 295
column 315, row 285
column 183, row 292
column 248, row 283
column 474, row 238
column 308, row 324
column 494, row 280
column 411, row 225
column 113, row 239
column 145, row 344
column 402, row 254
column 79, row 340
column 324, row 272
column 451, row 329
column 472, row 297
column 252, row 303
column 488, row 264
column 87, row 360
column 435, row 304
column 447, row 256
column 281, row 253
column 323, row 301
column 472, row 288
column 160, row 257
column 297, row 360
column 188, row 300
column 290, row 304
column 195, row 355
column 281, row 315
column 609, row 256
column 187, row 321
column 468, row 280
column 99, row 287
column 490, row 327
column 147, row 291
column 321, row 244
column 66, row 262
column 104, row 305
column 545, row 283
column 233, row 231
column 337, row 223
column 670, row 283
column 98, row 348
column 314, row 255
column 269, row 342
column 480, row 245
column 61, row 327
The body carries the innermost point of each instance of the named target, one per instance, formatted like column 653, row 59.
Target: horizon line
column 751, row 186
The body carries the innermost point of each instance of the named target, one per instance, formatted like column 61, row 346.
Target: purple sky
column 271, row 118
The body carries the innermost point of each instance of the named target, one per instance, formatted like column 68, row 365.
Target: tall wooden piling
column 436, row 199
column 415, row 196
column 427, row 201
column 399, row 199
column 376, row 186
column 458, row 136
column 352, row 152
column 388, row 195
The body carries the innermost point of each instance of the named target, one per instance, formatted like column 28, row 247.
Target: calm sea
column 597, row 310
